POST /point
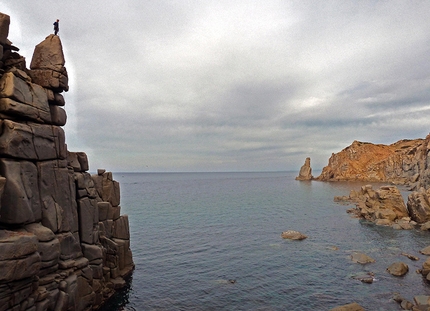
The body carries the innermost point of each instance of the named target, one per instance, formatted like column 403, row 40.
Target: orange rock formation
column 403, row 162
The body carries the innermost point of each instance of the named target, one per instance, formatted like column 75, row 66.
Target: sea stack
column 63, row 243
column 305, row 171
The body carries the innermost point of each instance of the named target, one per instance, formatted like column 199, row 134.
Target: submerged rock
column 361, row 258
column 349, row 307
column 368, row 278
column 411, row 257
column 293, row 235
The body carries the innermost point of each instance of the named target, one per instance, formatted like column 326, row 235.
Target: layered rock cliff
column 403, row 162
column 63, row 243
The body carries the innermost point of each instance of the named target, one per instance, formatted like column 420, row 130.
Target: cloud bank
column 234, row 85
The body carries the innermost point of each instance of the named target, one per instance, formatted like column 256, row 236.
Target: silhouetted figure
column 56, row 27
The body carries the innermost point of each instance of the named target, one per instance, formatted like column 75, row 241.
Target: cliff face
column 63, row 243
column 403, row 162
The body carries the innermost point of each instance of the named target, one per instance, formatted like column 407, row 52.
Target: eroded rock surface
column 305, row 171
column 403, row 162
column 384, row 206
column 361, row 258
column 398, row 269
column 64, row 244
column 293, row 235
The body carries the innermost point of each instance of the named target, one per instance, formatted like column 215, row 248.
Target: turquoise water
column 191, row 233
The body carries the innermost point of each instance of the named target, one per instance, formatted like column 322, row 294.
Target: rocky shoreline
column 64, row 244
column 407, row 163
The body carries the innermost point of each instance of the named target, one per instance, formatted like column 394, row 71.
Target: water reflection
column 120, row 300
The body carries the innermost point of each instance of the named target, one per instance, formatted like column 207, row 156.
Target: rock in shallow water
column 361, row 258
column 293, row 235
column 398, row 269
column 349, row 307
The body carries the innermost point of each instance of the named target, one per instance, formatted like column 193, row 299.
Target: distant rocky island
column 63, row 242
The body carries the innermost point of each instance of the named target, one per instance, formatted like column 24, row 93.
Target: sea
column 212, row 241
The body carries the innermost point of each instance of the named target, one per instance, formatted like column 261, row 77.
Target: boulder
column 426, row 267
column 305, row 171
column 4, row 28
column 361, row 258
column 425, row 251
column 422, row 300
column 425, row 226
column 47, row 65
column 398, row 269
column 293, row 235
column 48, row 54
column 419, row 206
column 406, row 304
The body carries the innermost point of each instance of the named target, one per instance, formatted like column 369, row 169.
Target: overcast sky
column 196, row 85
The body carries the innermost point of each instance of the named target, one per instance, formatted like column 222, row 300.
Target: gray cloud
column 234, row 85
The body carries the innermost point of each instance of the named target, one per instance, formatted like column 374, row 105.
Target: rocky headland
column 63, row 242
column 406, row 163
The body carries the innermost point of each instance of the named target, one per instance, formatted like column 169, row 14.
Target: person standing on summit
column 56, row 27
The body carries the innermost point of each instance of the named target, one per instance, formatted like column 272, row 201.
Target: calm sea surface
column 193, row 232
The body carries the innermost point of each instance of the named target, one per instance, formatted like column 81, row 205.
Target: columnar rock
column 64, row 244
column 305, row 171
